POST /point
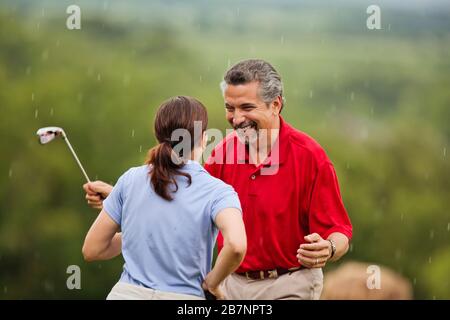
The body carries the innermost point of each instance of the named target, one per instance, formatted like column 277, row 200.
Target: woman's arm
column 229, row 221
column 102, row 241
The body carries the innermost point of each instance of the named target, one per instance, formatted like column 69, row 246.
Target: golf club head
column 48, row 134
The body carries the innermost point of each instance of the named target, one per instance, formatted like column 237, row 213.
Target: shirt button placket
column 252, row 188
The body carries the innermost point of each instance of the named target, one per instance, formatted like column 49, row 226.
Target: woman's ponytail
column 164, row 170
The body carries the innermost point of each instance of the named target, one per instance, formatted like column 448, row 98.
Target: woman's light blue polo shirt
column 168, row 245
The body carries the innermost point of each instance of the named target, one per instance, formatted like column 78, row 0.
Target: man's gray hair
column 258, row 70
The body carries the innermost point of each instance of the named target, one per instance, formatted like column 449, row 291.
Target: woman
column 169, row 211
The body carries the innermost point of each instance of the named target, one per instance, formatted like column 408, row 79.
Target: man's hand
column 316, row 253
column 96, row 192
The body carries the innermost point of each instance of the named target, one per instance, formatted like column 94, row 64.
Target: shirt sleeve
column 224, row 198
column 327, row 213
column 113, row 204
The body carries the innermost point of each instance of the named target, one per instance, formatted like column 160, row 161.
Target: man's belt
column 268, row 274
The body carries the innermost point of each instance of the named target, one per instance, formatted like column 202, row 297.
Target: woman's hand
column 213, row 290
column 96, row 192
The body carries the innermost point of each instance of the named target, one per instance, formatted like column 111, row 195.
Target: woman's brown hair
column 179, row 112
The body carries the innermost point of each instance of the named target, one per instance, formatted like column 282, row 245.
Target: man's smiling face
column 247, row 112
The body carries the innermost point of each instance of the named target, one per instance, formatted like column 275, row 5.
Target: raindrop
column 429, row 259
column 58, row 43
column 351, row 247
column 414, row 281
column 352, row 96
column 448, row 226
column 347, row 166
column 99, row 77
column 126, row 80
column 38, row 25
column 44, row 55
column 311, row 94
column 132, row 133
column 238, row 11
column 5, row 289
column 445, row 152
column 371, row 111
column 105, row 5
column 28, row 71
column 36, row 112
column 431, row 234
column 389, row 27
column 99, row 266
column 10, row 175
column 364, row 133
column 201, row 78
column 401, row 216
column 398, row 254
column 43, row 12
column 282, row 39
column 48, row 286
column 80, row 97
column 140, row 150
column 51, row 112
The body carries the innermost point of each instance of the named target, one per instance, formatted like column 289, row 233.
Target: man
column 292, row 208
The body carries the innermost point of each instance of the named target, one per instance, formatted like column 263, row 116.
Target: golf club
column 48, row 134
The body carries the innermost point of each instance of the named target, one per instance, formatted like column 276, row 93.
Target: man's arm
column 342, row 245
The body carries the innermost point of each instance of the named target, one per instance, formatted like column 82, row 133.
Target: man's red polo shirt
column 301, row 197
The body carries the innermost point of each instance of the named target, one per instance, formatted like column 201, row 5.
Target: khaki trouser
column 304, row 284
column 126, row 291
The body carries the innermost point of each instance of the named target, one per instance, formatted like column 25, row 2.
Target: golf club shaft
column 76, row 158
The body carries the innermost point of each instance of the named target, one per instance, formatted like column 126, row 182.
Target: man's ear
column 277, row 104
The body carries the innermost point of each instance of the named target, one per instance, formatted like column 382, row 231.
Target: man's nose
column 238, row 118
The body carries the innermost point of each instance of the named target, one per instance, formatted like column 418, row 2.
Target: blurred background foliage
column 377, row 101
